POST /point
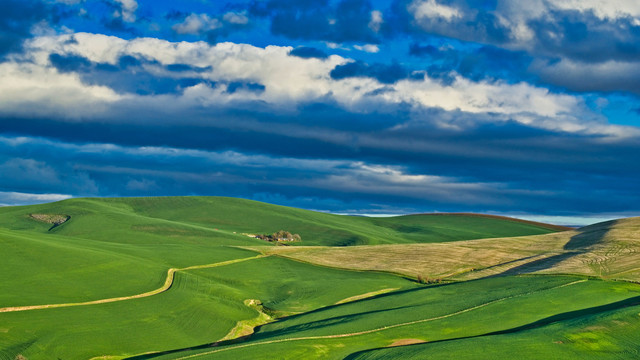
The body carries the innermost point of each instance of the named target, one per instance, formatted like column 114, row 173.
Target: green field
column 179, row 277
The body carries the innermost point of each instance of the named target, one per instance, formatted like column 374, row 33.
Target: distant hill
column 226, row 219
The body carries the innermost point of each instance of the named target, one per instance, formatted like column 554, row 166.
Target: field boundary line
column 321, row 337
column 166, row 286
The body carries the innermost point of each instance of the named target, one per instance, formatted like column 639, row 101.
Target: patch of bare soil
column 403, row 342
column 54, row 219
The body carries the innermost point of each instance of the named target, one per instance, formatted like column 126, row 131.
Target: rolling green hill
column 168, row 277
column 159, row 219
column 444, row 314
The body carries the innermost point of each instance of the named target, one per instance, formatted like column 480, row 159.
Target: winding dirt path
column 378, row 329
column 167, row 284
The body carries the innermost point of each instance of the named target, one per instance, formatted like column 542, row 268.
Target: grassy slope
column 609, row 335
column 201, row 307
column 422, row 228
column 427, row 314
column 197, row 216
column 327, row 229
column 119, row 247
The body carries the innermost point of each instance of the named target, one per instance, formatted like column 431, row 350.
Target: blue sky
column 350, row 106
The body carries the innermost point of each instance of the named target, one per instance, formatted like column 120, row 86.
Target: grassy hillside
column 118, row 247
column 167, row 277
column 203, row 305
column 610, row 334
column 158, row 220
column 431, row 314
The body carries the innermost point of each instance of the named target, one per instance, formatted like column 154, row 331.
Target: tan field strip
column 366, row 295
column 608, row 250
column 167, row 284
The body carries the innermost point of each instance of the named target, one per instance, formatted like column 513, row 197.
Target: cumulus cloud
column 238, row 18
column 127, row 10
column 195, row 24
column 37, row 90
column 62, row 71
column 432, row 10
column 574, row 33
column 590, row 30
column 376, row 20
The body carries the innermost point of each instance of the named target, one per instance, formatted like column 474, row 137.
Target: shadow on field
column 289, row 330
column 580, row 243
column 566, row 316
column 540, row 264
column 589, row 235
column 319, row 324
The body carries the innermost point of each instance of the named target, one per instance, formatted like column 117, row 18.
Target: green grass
column 57, row 269
column 119, row 247
column 202, row 306
column 425, row 228
column 122, row 247
column 160, row 220
column 430, row 314
column 612, row 334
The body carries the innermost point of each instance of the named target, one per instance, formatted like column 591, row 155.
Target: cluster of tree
column 422, row 279
column 280, row 236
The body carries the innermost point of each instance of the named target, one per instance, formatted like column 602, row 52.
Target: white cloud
column 36, row 90
column 376, row 20
column 360, row 177
column 517, row 16
column 430, row 9
column 370, row 48
column 196, row 24
column 238, row 18
column 604, row 9
column 288, row 81
column 127, row 10
column 12, row 198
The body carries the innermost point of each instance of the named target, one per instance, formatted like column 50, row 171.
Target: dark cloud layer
column 343, row 21
column 16, row 19
column 130, row 75
column 527, row 169
column 308, row 52
column 484, row 62
column 386, row 74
